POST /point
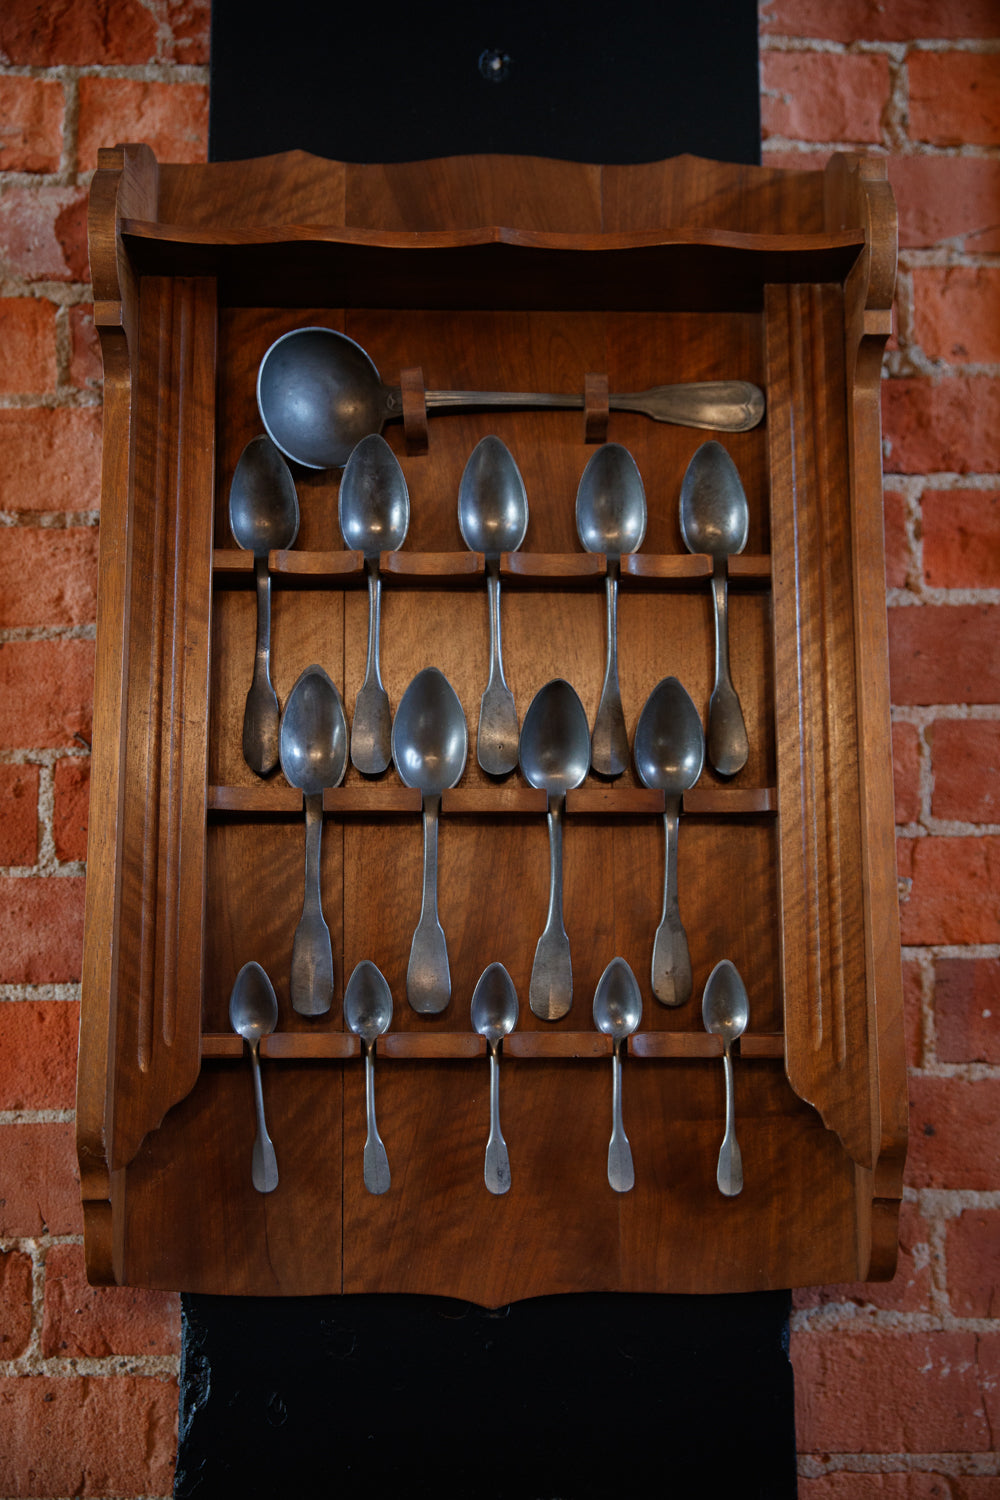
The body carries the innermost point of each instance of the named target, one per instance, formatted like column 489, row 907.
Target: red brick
column 954, row 1133
column 956, row 313
column 43, row 233
column 947, row 197
column 954, row 98
column 46, row 693
column 973, row 1256
column 82, row 1320
column 28, row 332
column 908, row 1485
column 967, row 1009
column 879, row 20
column 886, row 1392
column 41, row 1185
column 897, row 543
column 823, row 96
column 32, row 112
column 47, row 33
column 86, row 368
column 966, row 759
column 961, row 535
column 41, row 929
column 172, row 118
column 109, row 1435
column 51, row 459
column 38, row 1054
column 72, row 803
column 48, row 577
column 944, row 653
column 906, row 772
column 951, row 423
column 18, row 815
column 913, row 989
column 188, row 21
column 910, row 1288
column 15, row 1303
column 955, row 891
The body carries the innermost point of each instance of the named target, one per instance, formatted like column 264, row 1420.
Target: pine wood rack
column 679, row 270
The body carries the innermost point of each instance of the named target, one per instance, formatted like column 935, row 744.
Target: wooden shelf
column 461, row 1045
column 385, row 798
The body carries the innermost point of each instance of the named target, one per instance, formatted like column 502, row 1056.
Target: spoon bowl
column 253, row 1014
column 726, row 1013
column 494, row 1016
column 368, row 1011
column 617, row 1013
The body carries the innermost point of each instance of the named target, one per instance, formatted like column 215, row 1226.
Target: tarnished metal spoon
column 725, row 1011
column 494, row 1016
column 669, row 752
column 253, row 1013
column 611, row 518
column 617, row 1012
column 430, row 743
column 368, row 1011
column 374, row 513
column 319, row 393
column 263, row 516
column 493, row 517
column 313, row 747
column 554, row 753
column 715, row 520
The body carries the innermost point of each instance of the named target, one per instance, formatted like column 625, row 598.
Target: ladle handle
column 428, row 977
column 727, row 736
column 260, row 715
column 609, row 741
column 496, row 742
column 671, row 972
column 312, row 955
column 718, row 405
column 497, row 1169
column 621, row 1173
column 729, row 1173
column 376, row 1162
column 550, row 993
column 371, row 730
column 264, row 1163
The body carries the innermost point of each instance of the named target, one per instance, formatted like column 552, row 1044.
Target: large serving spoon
column 669, row 752
column 554, row 754
column 611, row 518
column 715, row 520
column 429, row 745
column 493, row 517
column 494, row 1016
column 253, row 1014
column 374, row 514
column 313, row 746
column 368, row 1011
column 263, row 516
column 725, row 1011
column 319, row 394
column 617, row 1012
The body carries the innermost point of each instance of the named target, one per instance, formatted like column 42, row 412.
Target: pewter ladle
column 554, row 752
column 669, row 754
column 493, row 517
column 368, row 1011
column 374, row 513
column 263, row 516
column 253, row 1014
column 494, row 1016
column 617, row 1012
column 715, row 520
column 429, row 746
column 313, row 746
column 725, row 1011
column 319, row 393
column 611, row 518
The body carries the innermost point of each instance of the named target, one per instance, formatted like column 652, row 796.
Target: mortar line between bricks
column 924, row 714
column 37, row 1116
column 953, row 1464
column 951, row 950
column 22, row 633
column 14, row 994
column 50, row 520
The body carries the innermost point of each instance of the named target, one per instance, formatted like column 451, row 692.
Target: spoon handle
column 428, row 977
column 312, row 955
column 260, row 716
column 550, row 993
column 621, row 1173
column 497, row 1169
column 376, row 1169
column 609, row 741
column 496, row 742
column 729, row 1173
column 264, row 1167
column 727, row 736
column 718, row 405
column 371, row 730
column 671, row 973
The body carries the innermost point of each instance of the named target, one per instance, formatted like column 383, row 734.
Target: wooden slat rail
column 460, row 1045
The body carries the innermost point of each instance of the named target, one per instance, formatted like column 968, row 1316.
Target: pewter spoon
column 374, row 514
column 611, row 518
column 493, row 517
column 253, row 1013
column 368, row 1011
column 313, row 747
column 263, row 516
column 715, row 520
column 617, row 1012
column 554, row 753
column 429, row 745
column 725, row 1011
column 669, row 752
column 319, row 393
column 494, row 1016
